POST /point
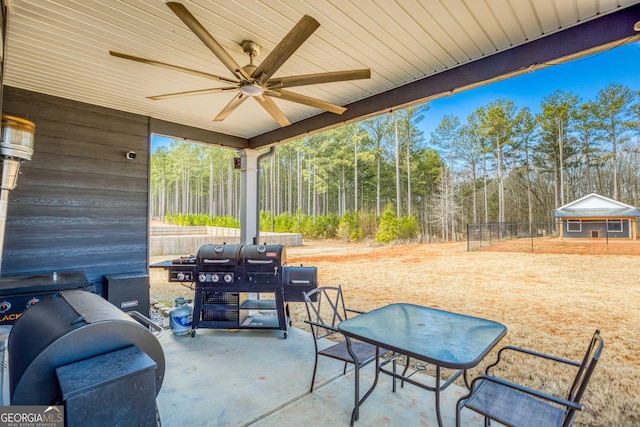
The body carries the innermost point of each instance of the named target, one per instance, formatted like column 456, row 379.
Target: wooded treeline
column 501, row 163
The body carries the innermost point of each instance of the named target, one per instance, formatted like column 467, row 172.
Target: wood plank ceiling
column 60, row 47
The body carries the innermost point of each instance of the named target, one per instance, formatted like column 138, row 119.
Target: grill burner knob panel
column 183, row 276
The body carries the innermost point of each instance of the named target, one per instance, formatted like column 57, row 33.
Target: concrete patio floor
column 257, row 378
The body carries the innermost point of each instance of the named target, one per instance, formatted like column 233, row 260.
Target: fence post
column 468, row 247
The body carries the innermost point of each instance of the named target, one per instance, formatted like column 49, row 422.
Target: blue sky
column 585, row 77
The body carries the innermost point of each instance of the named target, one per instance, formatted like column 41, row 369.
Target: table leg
column 438, row 396
column 404, row 372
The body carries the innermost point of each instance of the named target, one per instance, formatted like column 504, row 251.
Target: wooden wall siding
column 79, row 203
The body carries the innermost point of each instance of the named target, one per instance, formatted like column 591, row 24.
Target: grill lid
column 210, row 255
column 274, row 255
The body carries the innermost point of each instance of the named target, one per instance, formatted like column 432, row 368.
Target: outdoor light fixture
column 16, row 147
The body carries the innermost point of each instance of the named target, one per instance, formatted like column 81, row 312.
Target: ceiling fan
column 253, row 81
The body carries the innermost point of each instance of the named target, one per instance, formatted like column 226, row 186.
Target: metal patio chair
column 326, row 309
column 515, row 405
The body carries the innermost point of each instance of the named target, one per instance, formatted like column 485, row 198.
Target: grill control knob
column 202, row 277
column 228, row 278
column 5, row 306
column 215, row 278
column 180, row 276
column 32, row 301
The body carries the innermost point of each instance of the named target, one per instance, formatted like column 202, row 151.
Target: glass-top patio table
column 444, row 339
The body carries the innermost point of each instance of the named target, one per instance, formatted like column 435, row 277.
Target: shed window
column 614, row 225
column 574, row 225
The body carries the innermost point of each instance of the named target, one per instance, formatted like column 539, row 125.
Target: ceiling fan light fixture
column 252, row 90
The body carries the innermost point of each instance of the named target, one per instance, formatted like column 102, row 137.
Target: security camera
column 131, row 155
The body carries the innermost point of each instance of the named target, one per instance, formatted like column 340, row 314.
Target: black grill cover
column 66, row 328
column 218, row 255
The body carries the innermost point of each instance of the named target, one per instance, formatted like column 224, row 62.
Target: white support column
column 248, row 196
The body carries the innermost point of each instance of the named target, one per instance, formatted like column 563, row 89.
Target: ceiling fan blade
column 310, row 79
column 197, row 28
column 271, row 107
column 287, row 46
column 171, row 67
column 312, row 102
column 192, row 93
column 230, row 107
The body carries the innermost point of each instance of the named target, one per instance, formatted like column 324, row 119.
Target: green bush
column 368, row 224
column 389, row 229
column 265, row 221
column 202, row 220
column 284, row 223
column 224, row 221
column 408, row 227
column 324, row 226
column 349, row 228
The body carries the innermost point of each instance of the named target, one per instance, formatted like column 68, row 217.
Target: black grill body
column 217, row 264
column 53, row 341
column 261, row 265
column 182, row 269
column 242, row 286
column 21, row 292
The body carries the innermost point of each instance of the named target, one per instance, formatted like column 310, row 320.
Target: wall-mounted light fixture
column 16, row 146
column 130, row 155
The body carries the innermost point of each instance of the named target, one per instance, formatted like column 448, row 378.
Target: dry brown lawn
column 551, row 300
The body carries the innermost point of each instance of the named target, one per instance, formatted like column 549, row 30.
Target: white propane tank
column 181, row 317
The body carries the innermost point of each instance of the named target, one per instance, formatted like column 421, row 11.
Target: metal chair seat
column 517, row 405
column 365, row 352
column 512, row 407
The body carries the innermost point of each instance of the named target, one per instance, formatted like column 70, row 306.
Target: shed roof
column 596, row 206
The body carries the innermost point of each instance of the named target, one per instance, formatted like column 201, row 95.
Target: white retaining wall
column 176, row 240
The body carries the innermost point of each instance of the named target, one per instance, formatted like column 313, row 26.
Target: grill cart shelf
column 226, row 307
column 242, row 286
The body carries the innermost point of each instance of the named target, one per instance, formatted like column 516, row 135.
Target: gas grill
column 217, row 264
column 244, row 286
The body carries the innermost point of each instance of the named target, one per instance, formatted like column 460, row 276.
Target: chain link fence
column 479, row 235
column 605, row 230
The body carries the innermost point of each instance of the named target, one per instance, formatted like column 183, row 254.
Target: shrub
column 349, row 228
column 368, row 224
column 388, row 230
column 408, row 227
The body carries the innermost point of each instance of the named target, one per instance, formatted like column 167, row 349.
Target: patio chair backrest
column 583, row 376
column 325, row 306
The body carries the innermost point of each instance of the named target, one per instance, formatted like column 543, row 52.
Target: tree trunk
column 355, row 169
column 409, row 168
column 398, row 207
